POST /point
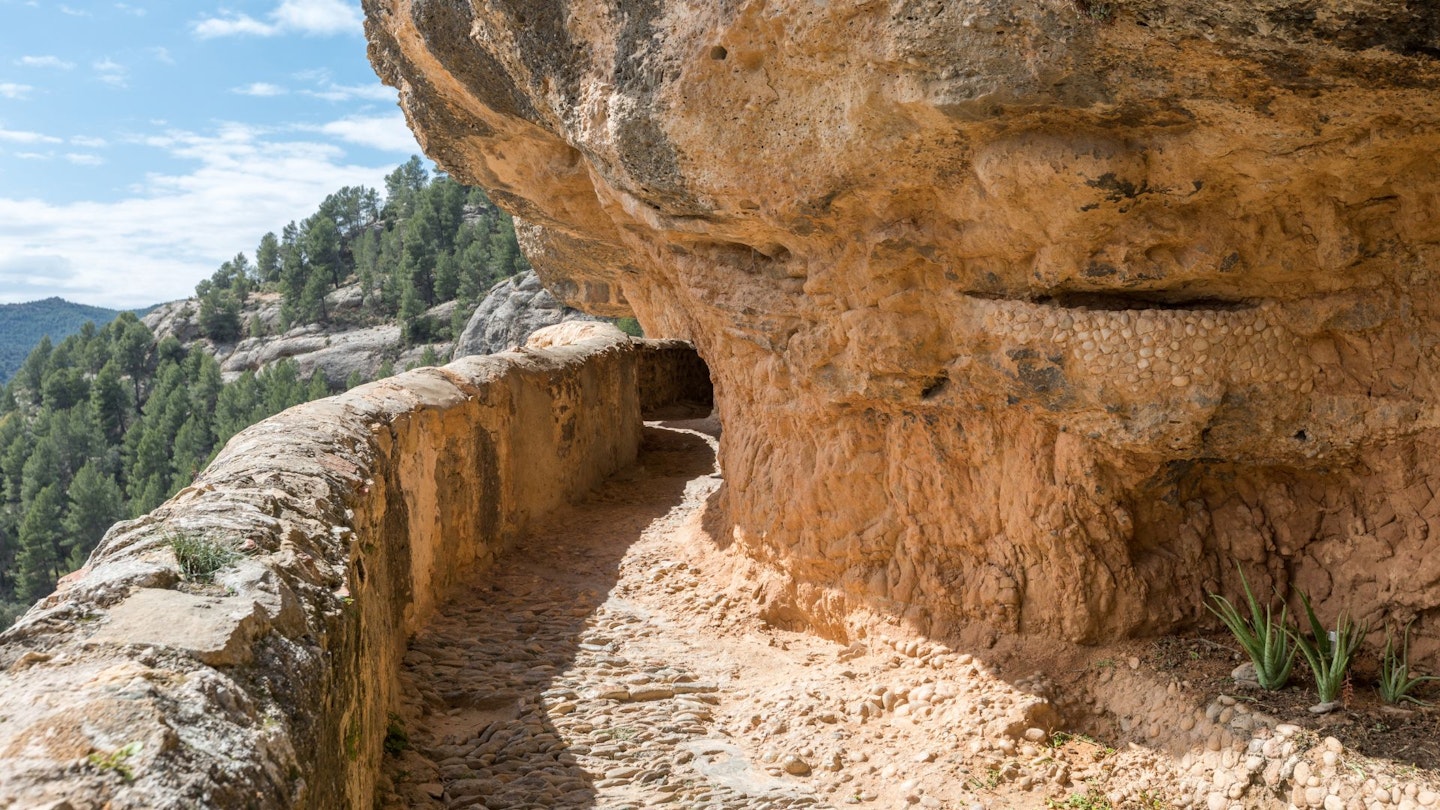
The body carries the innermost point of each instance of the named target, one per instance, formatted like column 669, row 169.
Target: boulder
column 514, row 309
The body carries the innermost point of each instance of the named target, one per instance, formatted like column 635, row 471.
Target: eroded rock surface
column 513, row 309
column 338, row 349
column 1030, row 316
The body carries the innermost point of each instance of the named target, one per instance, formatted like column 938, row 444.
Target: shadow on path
column 485, row 682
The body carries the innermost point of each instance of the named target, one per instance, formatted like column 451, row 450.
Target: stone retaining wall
column 132, row 686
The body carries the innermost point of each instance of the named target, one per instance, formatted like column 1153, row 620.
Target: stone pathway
column 550, row 686
column 618, row 659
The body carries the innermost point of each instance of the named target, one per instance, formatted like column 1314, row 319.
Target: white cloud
column 129, row 9
column 388, row 132
column 161, row 54
column 175, row 228
column 236, row 25
column 311, row 17
column 46, row 61
column 39, row 275
column 111, row 72
column 326, row 88
column 84, row 159
column 21, row 136
column 88, row 142
column 14, row 91
column 318, row 16
column 346, row 92
column 73, row 12
column 260, row 90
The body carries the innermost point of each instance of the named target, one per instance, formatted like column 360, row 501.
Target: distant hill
column 23, row 325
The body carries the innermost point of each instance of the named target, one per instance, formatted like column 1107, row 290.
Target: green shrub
column 631, row 327
column 201, row 557
column 1328, row 652
column 1395, row 681
column 1265, row 639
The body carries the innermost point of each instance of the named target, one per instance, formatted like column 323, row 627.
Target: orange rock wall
column 1028, row 316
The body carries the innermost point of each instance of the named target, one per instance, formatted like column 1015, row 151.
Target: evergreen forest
column 430, row 241
column 22, row 326
column 108, row 423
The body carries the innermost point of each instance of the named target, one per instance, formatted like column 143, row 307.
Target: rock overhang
column 1151, row 242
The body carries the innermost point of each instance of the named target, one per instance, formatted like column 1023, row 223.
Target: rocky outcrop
column 1031, row 316
column 351, row 343
column 344, row 520
column 514, row 309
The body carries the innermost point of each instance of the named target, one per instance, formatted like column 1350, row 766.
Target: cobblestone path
column 552, row 684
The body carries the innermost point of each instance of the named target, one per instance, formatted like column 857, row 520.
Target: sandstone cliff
column 1024, row 315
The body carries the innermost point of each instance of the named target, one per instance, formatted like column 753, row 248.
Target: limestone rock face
column 1027, row 316
column 337, row 349
column 514, row 308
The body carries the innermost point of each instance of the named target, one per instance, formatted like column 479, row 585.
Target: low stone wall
column 133, row 686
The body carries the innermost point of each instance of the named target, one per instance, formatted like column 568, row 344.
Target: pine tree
column 110, row 402
column 191, row 451
column 32, row 373
column 322, row 250
column 403, row 186
column 95, row 505
column 236, row 407
column 312, row 299
column 414, row 328
column 41, row 470
column 38, row 559
column 318, row 388
column 267, row 258
column 133, row 346
column 63, row 387
column 447, row 277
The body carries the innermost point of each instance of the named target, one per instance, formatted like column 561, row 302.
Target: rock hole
column 718, row 53
column 360, row 570
column 935, row 386
column 1301, row 435
column 1159, row 299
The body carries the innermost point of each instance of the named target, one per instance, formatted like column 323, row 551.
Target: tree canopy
column 429, row 241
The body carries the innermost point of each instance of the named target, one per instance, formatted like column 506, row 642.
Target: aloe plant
column 1264, row 638
column 1328, row 653
column 1395, row 680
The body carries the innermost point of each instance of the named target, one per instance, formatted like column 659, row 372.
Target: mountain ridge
column 24, row 324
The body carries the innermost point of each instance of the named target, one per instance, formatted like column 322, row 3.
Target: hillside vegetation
column 22, row 326
column 108, row 422
column 430, row 241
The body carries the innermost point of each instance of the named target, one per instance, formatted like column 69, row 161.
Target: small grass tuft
column 1265, row 638
column 1091, row 799
column 397, row 741
column 989, row 781
column 116, row 761
column 201, row 557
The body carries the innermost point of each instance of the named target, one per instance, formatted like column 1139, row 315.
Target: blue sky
column 143, row 143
